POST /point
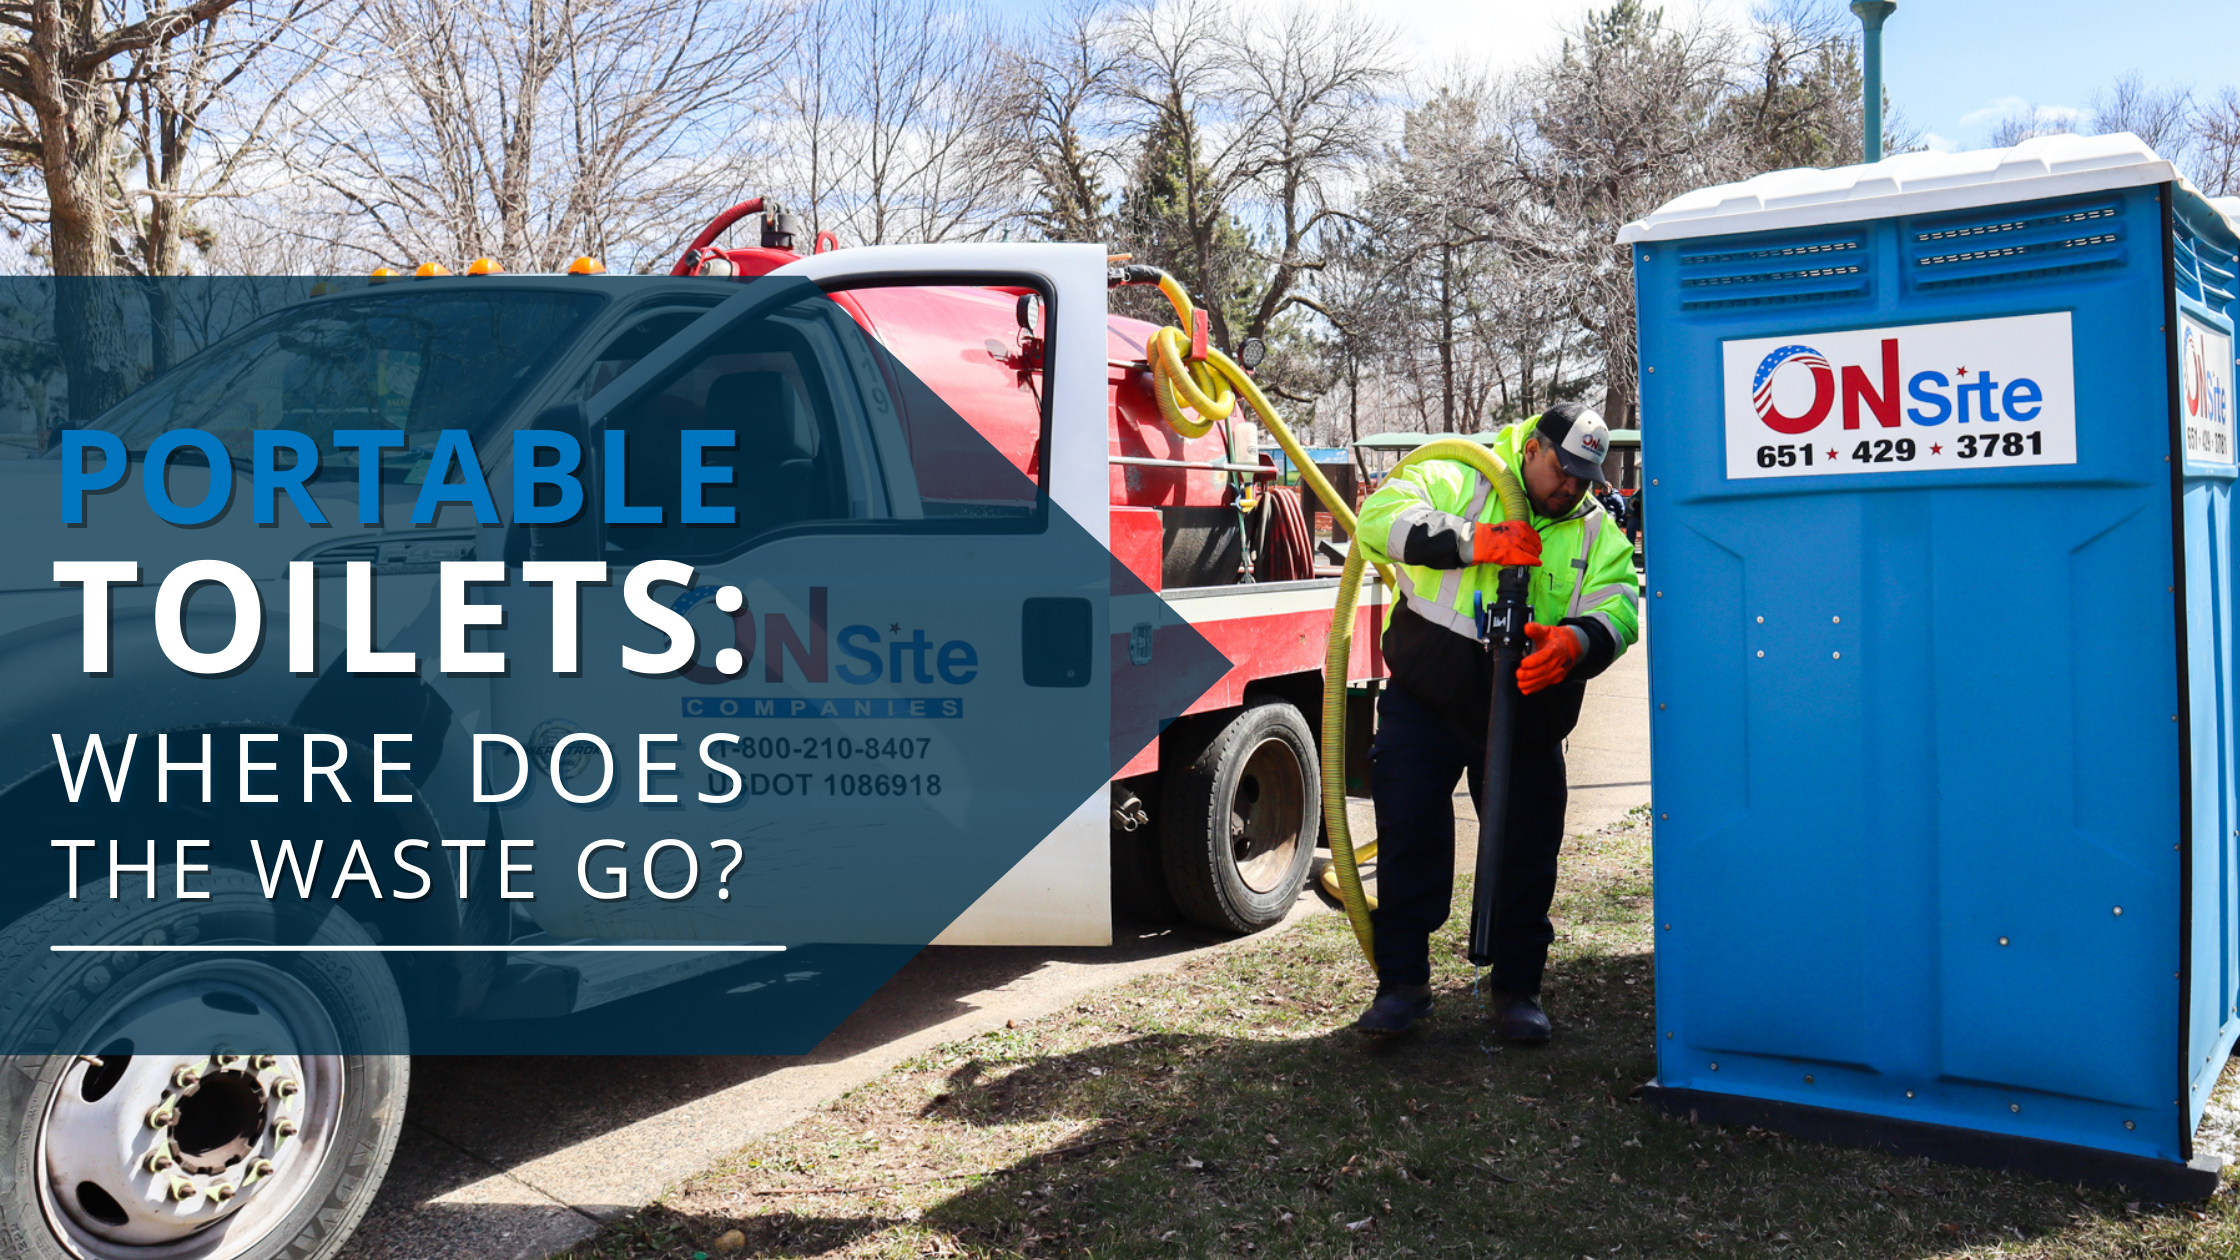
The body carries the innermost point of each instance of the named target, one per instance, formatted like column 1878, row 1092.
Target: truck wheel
column 237, row 1150
column 1239, row 820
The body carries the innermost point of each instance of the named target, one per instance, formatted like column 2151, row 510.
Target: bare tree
column 2030, row 123
column 2216, row 144
column 1434, row 204
column 201, row 109
column 1621, row 121
column 1310, row 89
column 1796, row 101
column 2161, row 117
column 531, row 130
column 60, row 76
column 205, row 106
column 896, row 126
column 1196, row 155
column 1064, row 100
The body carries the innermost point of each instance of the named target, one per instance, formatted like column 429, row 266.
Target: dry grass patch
column 1226, row 1111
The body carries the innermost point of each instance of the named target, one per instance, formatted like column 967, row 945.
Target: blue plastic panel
column 1931, row 755
column 2203, row 264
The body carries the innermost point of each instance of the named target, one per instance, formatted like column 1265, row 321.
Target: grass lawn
column 1226, row 1110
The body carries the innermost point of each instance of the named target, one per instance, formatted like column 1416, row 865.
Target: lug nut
column 264, row 1062
column 259, row 1168
column 287, row 1087
column 183, row 1190
column 224, row 1060
column 186, row 1077
column 284, row 1130
column 161, row 1116
column 157, row 1161
column 223, row 1191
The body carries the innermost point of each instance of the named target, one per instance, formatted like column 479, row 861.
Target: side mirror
column 577, row 538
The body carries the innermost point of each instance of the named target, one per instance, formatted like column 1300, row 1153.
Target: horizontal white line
column 417, row 949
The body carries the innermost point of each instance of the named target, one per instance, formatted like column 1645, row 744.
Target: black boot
column 1519, row 1018
column 1395, row 1011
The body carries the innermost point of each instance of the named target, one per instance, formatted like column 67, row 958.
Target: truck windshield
column 416, row 362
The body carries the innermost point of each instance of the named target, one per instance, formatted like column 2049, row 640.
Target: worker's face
column 1552, row 490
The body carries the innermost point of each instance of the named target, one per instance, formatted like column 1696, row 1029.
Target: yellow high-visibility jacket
column 1422, row 520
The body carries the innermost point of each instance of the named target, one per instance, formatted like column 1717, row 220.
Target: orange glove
column 1555, row 649
column 1510, row 542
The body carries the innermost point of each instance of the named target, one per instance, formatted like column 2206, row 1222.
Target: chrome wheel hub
column 191, row 1156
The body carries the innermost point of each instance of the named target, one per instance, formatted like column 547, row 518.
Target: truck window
column 420, row 362
column 782, row 386
column 831, row 426
column 637, row 339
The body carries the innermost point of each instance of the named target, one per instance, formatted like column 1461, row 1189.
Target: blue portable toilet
column 1942, row 657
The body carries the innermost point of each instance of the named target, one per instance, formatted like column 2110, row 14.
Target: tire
column 283, row 1150
column 1238, row 830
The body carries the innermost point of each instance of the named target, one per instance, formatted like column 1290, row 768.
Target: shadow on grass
column 1444, row 1143
column 1227, row 1111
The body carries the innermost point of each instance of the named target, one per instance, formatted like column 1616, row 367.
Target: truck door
column 888, row 543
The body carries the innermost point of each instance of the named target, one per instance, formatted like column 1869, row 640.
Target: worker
column 1440, row 522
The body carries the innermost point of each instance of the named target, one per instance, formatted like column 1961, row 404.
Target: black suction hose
column 1505, row 624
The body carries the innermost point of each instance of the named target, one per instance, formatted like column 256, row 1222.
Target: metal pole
column 1872, row 13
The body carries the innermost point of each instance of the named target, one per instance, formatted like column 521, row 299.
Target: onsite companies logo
column 1922, row 397
column 1823, row 389
column 2205, row 390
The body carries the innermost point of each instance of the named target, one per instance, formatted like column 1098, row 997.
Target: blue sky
column 1955, row 66
column 1952, row 66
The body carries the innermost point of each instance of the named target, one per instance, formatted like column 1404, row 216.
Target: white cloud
column 2000, row 108
column 1935, row 143
column 2047, row 117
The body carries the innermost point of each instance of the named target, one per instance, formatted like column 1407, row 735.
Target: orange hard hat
column 587, row 266
column 431, row 269
column 484, row 267
column 384, row 273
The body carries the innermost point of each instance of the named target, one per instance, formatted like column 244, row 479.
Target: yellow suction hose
column 1195, row 396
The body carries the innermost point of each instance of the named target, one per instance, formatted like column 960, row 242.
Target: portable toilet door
column 1943, row 732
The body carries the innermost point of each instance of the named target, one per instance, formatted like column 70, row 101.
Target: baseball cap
column 1579, row 437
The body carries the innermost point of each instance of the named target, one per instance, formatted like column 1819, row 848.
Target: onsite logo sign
column 1973, row 393
column 2205, row 391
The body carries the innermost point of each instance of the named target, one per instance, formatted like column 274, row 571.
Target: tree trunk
column 88, row 315
column 166, row 222
column 1446, row 338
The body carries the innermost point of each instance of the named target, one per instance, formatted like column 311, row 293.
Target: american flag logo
column 1761, row 385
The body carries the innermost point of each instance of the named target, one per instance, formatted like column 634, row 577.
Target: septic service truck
column 249, row 1156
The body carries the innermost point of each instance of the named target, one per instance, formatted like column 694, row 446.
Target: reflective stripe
column 1478, row 495
column 1450, row 592
column 1444, row 617
column 1590, row 530
column 1433, row 522
column 1602, row 594
column 1617, row 640
column 1420, row 514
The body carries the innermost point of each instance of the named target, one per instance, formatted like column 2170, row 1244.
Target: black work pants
column 1416, row 760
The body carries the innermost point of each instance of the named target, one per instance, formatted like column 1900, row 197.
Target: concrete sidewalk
column 515, row 1158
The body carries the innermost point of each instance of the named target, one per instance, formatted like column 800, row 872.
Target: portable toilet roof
column 1917, row 183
